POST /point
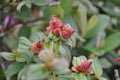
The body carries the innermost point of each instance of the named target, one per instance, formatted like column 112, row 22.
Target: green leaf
column 111, row 42
column 65, row 52
column 40, row 2
column 79, row 37
column 92, row 50
column 106, row 63
column 57, row 46
column 69, row 19
column 22, row 58
column 97, row 68
column 36, row 59
column 24, row 41
column 13, row 69
column 81, row 17
column 20, row 5
column 66, row 7
column 22, row 72
column 58, row 68
column 47, row 13
column 48, row 45
column 89, row 6
column 12, row 43
column 70, row 43
column 37, row 72
column 38, row 36
column 101, row 24
column 102, row 78
column 24, row 31
column 7, row 55
column 65, row 77
column 2, row 76
column 28, row 3
column 24, row 46
column 24, row 49
column 25, row 14
column 62, row 78
column 78, row 60
column 92, row 22
column 80, row 76
column 57, row 11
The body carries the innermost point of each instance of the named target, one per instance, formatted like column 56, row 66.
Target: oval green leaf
column 13, row 69
column 7, row 55
column 37, row 72
column 101, row 24
column 40, row 2
column 97, row 68
column 80, row 76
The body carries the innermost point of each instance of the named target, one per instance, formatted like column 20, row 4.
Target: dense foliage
column 59, row 39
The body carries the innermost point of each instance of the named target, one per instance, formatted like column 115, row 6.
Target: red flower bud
column 49, row 29
column 117, row 60
column 57, row 27
column 84, row 67
column 36, row 47
column 70, row 31
column 55, row 22
column 57, row 31
column 67, row 33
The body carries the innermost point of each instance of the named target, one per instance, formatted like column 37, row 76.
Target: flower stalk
column 57, row 47
column 54, row 76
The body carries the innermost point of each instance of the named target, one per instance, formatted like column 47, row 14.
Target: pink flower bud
column 117, row 59
column 57, row 27
column 84, row 67
column 55, row 21
column 67, row 33
column 57, row 31
column 49, row 29
column 36, row 47
column 70, row 31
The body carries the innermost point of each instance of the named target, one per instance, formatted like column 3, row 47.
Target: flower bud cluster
column 84, row 67
column 59, row 29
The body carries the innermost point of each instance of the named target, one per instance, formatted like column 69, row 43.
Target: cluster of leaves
column 29, row 66
column 96, row 35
